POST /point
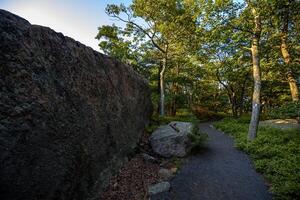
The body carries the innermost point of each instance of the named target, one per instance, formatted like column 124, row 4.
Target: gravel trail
column 219, row 172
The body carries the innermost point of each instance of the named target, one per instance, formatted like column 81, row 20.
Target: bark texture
column 69, row 115
column 286, row 55
column 256, row 77
column 162, row 86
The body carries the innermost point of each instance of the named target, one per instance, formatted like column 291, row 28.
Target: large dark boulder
column 68, row 115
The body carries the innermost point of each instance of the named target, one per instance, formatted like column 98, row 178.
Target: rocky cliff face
column 68, row 115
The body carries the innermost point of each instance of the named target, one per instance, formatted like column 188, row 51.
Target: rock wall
column 68, row 115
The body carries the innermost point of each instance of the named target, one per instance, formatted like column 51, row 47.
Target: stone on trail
column 149, row 159
column 159, row 188
column 165, row 174
column 172, row 139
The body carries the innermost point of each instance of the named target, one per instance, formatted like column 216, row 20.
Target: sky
column 78, row 19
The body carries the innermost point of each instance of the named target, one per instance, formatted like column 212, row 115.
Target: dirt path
column 220, row 172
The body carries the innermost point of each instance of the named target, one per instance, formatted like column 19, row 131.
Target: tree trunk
column 176, row 90
column 293, row 86
column 286, row 56
column 162, row 86
column 173, row 107
column 231, row 95
column 172, row 104
column 234, row 105
column 256, row 77
column 241, row 102
column 158, row 89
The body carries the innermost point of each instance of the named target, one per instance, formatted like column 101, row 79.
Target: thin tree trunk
column 293, row 86
column 256, row 77
column 158, row 90
column 162, row 86
column 173, row 107
column 234, row 105
column 231, row 95
column 286, row 56
column 175, row 93
column 241, row 102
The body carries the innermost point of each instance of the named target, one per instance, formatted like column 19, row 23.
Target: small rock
column 164, row 163
column 149, row 158
column 115, row 185
column 158, row 188
column 165, row 174
column 174, row 169
column 18, row 109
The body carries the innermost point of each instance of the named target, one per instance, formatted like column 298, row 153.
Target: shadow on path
column 218, row 172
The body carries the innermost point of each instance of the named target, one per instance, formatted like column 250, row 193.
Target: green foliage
column 183, row 115
column 150, row 128
column 197, row 137
column 177, row 162
column 288, row 110
column 275, row 152
column 206, row 46
column 112, row 43
column 204, row 114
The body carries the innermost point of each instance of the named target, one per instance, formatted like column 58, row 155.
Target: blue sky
column 78, row 19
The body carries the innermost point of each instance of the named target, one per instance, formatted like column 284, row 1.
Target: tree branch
column 151, row 37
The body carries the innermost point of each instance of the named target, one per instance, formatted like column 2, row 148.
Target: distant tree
column 287, row 8
column 129, row 16
column 203, row 52
column 113, row 44
column 168, row 31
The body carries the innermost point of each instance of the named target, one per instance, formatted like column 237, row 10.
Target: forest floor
column 219, row 171
column 133, row 179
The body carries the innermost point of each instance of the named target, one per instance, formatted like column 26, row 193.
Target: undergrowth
column 197, row 137
column 183, row 115
column 288, row 110
column 275, row 153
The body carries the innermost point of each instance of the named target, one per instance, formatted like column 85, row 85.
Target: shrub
column 205, row 114
column 288, row 110
column 197, row 138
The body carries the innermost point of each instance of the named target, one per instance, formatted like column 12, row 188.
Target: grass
column 275, row 154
